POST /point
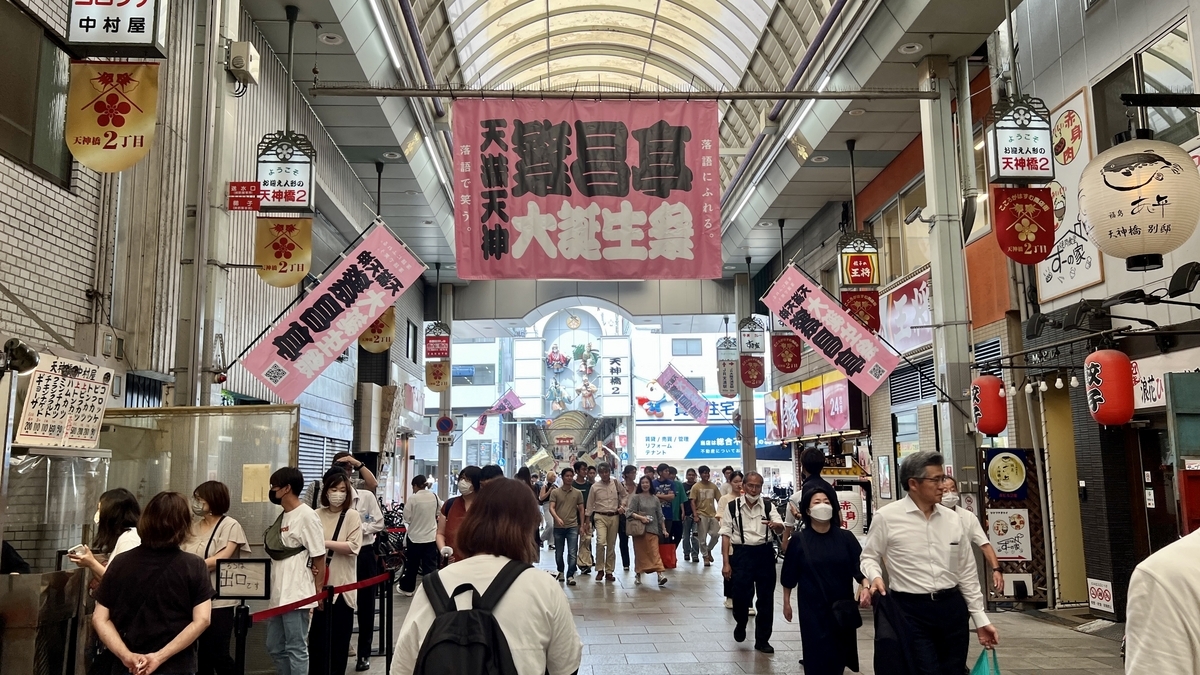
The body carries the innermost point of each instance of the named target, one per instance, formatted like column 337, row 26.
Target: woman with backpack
column 454, row 511
column 645, row 525
column 503, row 615
column 343, row 539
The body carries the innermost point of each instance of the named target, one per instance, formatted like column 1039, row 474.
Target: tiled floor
column 683, row 629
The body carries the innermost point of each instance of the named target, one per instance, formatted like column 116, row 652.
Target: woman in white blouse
column 343, row 539
column 116, row 532
column 215, row 536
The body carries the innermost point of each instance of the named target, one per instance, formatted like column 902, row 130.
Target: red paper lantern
column 754, row 371
column 988, row 408
column 1108, row 381
column 1023, row 219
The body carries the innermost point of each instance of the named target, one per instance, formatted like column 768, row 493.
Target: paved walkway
column 684, row 629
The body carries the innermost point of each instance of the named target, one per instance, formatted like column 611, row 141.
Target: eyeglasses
column 752, row 485
column 932, row 479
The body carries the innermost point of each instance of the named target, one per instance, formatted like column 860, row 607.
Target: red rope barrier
column 283, row 609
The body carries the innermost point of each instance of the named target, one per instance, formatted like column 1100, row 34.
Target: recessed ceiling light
column 764, row 225
column 910, row 48
column 818, row 159
column 331, row 38
column 391, row 155
column 410, row 192
column 731, row 267
column 855, row 112
column 450, row 266
column 428, row 222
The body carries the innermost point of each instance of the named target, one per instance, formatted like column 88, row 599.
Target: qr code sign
column 276, row 373
column 877, row 372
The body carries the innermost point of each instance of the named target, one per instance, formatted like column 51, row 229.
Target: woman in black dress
column 821, row 561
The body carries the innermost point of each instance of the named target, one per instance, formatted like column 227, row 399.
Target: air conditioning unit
column 243, row 62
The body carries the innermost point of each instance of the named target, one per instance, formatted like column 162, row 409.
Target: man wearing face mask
column 952, row 501
column 750, row 559
column 296, row 544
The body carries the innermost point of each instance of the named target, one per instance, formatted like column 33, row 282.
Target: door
column 1158, row 491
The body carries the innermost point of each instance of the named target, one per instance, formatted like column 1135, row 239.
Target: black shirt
column 150, row 594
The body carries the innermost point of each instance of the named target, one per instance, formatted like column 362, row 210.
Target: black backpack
column 469, row 640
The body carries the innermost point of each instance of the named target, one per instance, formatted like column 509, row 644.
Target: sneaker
column 662, row 579
column 627, row 568
column 728, row 603
column 609, row 577
column 560, row 577
column 586, row 569
column 637, row 578
column 599, row 576
column 753, row 612
column 407, row 594
column 570, row 581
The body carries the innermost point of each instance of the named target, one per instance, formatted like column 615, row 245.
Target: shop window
column 473, row 375
column 411, row 348
column 686, row 347
column 829, row 280
column 697, row 382
column 34, row 77
column 1163, row 67
column 905, row 247
column 983, row 212
column 916, row 234
column 907, row 433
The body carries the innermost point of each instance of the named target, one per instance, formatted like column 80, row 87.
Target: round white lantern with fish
column 1140, row 199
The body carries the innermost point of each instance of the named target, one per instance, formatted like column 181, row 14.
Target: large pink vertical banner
column 587, row 189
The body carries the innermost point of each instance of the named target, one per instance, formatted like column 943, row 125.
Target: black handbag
column 845, row 612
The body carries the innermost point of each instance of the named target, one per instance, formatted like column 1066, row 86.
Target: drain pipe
column 966, row 147
column 414, row 34
column 809, row 54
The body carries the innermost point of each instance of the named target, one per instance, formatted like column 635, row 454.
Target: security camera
column 914, row 216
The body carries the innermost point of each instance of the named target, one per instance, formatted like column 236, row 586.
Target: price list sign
column 64, row 405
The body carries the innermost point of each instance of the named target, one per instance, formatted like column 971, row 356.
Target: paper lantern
column 1108, row 383
column 1140, row 199
column 988, row 408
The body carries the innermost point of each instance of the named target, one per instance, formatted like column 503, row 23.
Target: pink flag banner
column 505, row 404
column 346, row 302
column 821, row 322
column 684, row 393
column 587, row 189
column 480, row 424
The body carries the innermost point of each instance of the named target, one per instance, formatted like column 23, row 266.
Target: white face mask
column 950, row 500
column 821, row 512
column 465, row 487
column 336, row 499
column 96, row 518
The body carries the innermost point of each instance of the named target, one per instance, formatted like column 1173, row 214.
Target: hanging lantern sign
column 1108, row 379
column 379, row 336
column 752, row 336
column 785, row 351
column 863, row 306
column 119, row 29
column 285, row 172
column 1019, row 148
column 727, row 367
column 1023, row 219
column 437, row 340
column 1139, row 200
column 859, row 258
column 437, row 375
column 112, row 111
column 754, row 371
column 283, row 250
column 988, row 408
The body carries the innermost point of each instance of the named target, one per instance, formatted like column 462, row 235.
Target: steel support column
column 744, row 301
column 445, row 300
column 952, row 331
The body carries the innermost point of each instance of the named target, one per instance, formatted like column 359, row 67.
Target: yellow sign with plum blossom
column 283, row 250
column 112, row 109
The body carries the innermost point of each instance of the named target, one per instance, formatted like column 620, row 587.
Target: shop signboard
column 112, row 113
column 437, row 341
column 1009, row 533
column 587, row 190
column 285, row 172
column 1007, row 475
column 283, row 250
column 1149, row 387
column 615, row 370
column 661, row 442
column 791, row 420
column 813, row 402
column 1020, row 144
column 64, row 404
column 119, row 28
column 835, row 389
column 906, row 307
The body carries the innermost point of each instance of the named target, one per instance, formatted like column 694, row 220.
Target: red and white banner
column 348, row 300
column 903, row 309
column 834, row 334
column 687, row 398
column 587, row 189
column 505, row 404
column 1023, row 219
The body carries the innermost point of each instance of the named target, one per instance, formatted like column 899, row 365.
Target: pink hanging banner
column 835, row 335
column 684, row 393
column 586, row 189
column 329, row 320
column 505, row 404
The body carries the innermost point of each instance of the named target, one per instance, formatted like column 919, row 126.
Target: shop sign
column 785, row 352
column 1009, row 533
column 754, row 371
column 332, row 316
column 727, row 378
column 727, row 349
column 1023, row 220
column 379, row 337
column 128, row 28
column 1007, row 475
column 799, row 302
column 864, row 306
column 1149, row 386
column 836, row 391
column 64, row 404
column 906, row 307
column 791, row 424
column 112, row 111
column 1100, row 596
column 1019, row 143
column 752, row 336
column 657, row 443
column 283, row 250
column 771, row 414
column 615, row 371
column 850, row 504
column 860, row 268
column 813, row 402
column 587, row 190
column 685, row 395
column 285, row 172
column 437, row 341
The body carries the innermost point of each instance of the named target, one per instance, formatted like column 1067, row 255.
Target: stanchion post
column 327, row 601
column 388, row 611
column 241, row 628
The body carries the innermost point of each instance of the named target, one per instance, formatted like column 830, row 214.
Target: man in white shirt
column 931, row 569
column 295, row 577
column 750, row 560
column 950, row 500
column 421, row 520
column 1162, row 619
column 367, row 505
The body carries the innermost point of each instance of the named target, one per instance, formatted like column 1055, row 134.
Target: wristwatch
column 995, row 569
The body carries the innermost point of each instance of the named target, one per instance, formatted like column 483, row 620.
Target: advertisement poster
column 905, row 307
column 883, row 478
column 1006, row 474
column 587, row 189
column 1008, row 532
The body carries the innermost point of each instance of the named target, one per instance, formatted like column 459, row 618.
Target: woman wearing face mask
column 116, row 531
column 215, row 536
column 455, row 510
column 821, row 560
column 343, row 539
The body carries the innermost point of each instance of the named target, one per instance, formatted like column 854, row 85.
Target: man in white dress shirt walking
column 750, row 560
column 931, row 569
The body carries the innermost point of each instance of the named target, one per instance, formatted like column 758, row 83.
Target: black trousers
column 419, row 558
column 676, row 532
column 368, row 566
column 624, row 542
column 213, row 655
column 938, row 631
column 340, row 619
column 754, row 577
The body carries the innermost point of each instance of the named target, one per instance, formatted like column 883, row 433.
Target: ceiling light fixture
column 389, row 42
column 910, row 48
column 437, row 164
column 331, row 38
column 392, row 155
column 818, row 159
column 855, row 112
column 764, row 225
column 731, row 267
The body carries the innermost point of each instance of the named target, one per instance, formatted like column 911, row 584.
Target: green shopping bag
column 984, row 666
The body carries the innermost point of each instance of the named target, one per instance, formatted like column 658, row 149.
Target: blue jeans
column 287, row 642
column 566, row 538
column 690, row 549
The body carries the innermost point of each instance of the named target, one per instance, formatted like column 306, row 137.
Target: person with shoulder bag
column 342, row 527
column 645, row 525
column 215, row 536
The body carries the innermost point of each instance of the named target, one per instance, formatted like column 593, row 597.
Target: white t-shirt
column 128, row 541
column 1162, row 624
column 421, row 513
column 207, row 543
column 291, row 579
column 367, row 505
column 974, row 529
column 534, row 616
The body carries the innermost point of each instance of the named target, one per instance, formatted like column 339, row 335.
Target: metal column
column 744, row 303
column 445, row 301
column 952, row 331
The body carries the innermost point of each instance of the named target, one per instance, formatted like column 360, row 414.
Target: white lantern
column 1140, row 199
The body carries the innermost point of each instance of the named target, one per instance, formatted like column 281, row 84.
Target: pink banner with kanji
column 330, row 319
column 587, row 189
column 684, row 393
column 834, row 334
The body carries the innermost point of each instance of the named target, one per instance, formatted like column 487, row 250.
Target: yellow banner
column 112, row 109
column 437, row 375
column 283, row 250
column 378, row 338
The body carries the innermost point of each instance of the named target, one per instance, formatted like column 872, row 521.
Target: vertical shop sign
column 283, row 250
column 128, row 28
column 727, row 366
column 437, row 340
column 1023, row 220
column 615, row 370
column 864, row 306
column 587, row 189
column 112, row 110
column 1020, row 145
column 64, row 405
column 356, row 293
column 379, row 336
column 285, row 172
column 798, row 300
column 684, row 393
column 904, row 309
